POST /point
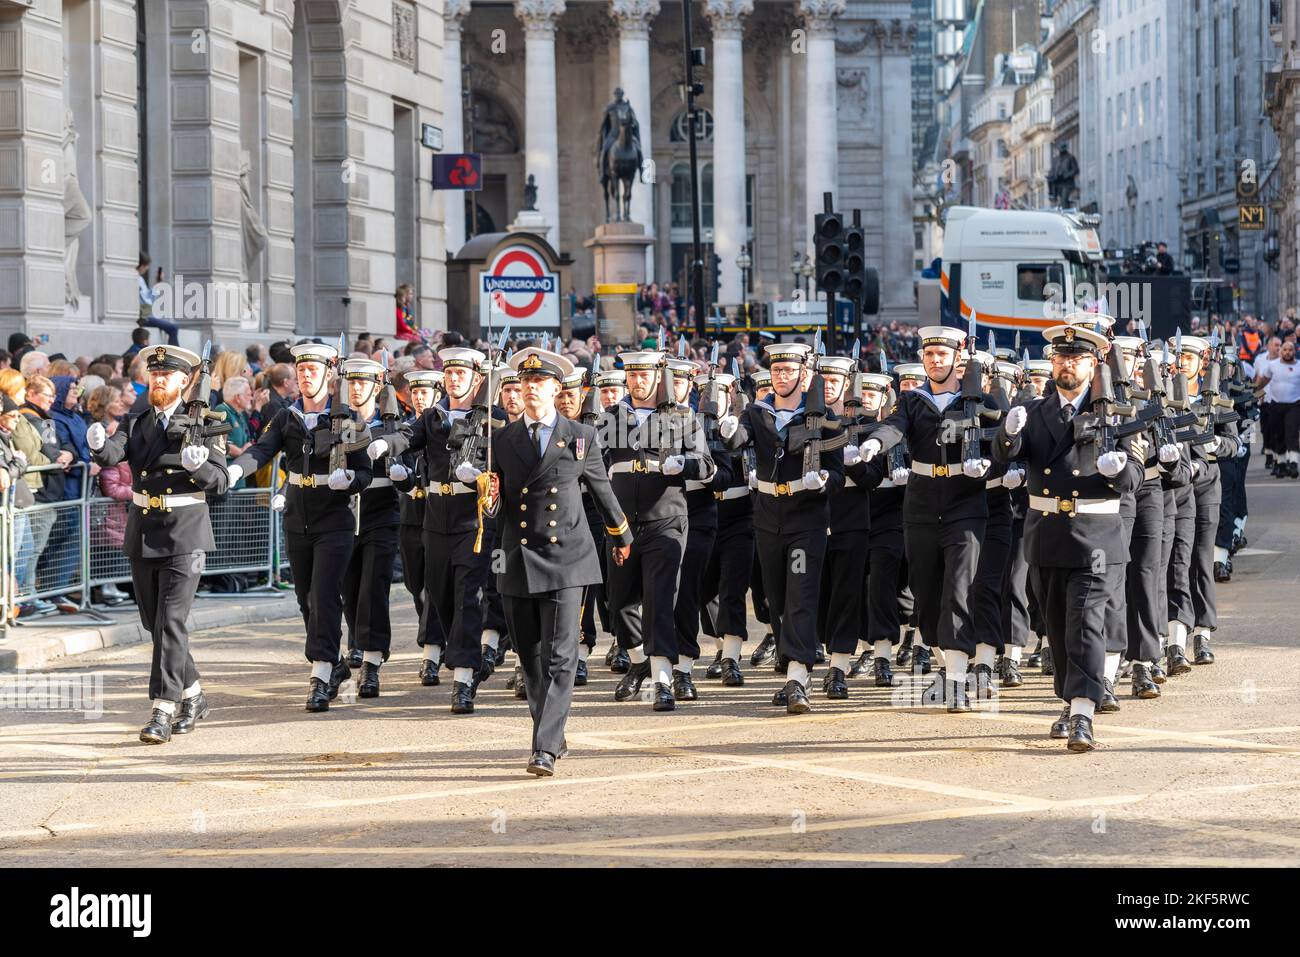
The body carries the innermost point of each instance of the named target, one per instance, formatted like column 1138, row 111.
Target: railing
column 72, row 547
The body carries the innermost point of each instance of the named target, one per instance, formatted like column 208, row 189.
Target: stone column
column 896, row 163
column 819, row 105
column 453, row 117
column 634, row 18
column 729, row 231
column 541, row 142
column 664, row 239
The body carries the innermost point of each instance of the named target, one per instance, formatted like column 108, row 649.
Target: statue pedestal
column 618, row 251
column 529, row 221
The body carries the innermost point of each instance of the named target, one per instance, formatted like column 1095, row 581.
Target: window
column 1109, row 58
column 1236, row 99
column 677, row 133
column 1144, row 112
column 1160, row 99
column 1109, row 117
column 1218, row 111
column 681, row 196
column 1156, row 33
column 706, row 196
column 1120, row 70
column 1132, row 48
column 749, row 202
column 1146, row 45
column 1032, row 280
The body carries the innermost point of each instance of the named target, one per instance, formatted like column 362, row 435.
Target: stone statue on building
column 619, row 158
column 1062, row 177
column 76, row 213
column 253, row 231
column 530, row 193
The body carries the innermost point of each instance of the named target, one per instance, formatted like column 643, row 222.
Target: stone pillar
column 453, row 117
column 541, row 141
column 664, row 237
column 729, row 230
column 896, row 164
column 819, row 105
column 634, row 18
column 31, row 169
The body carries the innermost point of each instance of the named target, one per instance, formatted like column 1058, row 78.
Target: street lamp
column 796, row 267
column 744, row 262
column 808, row 272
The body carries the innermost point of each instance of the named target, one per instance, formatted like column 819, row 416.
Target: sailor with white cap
column 319, row 525
column 167, row 524
column 1073, row 530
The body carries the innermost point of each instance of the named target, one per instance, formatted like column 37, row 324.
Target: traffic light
column 831, row 251
column 855, row 263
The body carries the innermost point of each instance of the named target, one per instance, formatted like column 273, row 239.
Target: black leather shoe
column 1222, row 573
column 1035, row 659
column 731, row 676
column 1176, row 662
column 1047, row 666
column 663, row 697
column 904, row 657
column 340, row 674
column 487, row 665
column 192, row 711
column 368, row 686
column 922, row 659
column 1109, row 703
column 319, row 699
column 821, row 655
column 521, row 686
column 958, row 695
column 1142, row 685
column 835, row 686
column 1158, row 674
column 630, row 685
column 1081, row 733
column 1061, row 726
column 778, row 699
column 1011, row 676
column 860, row 665
column 1294, row 469
column 541, row 764
column 159, row 728
column 1204, row 656
column 780, row 665
column 429, row 673
column 715, row 669
column 621, row 663
column 765, row 651
column 884, row 674
column 609, row 655
column 981, row 679
column 796, row 698
column 462, row 698
column 684, row 687
column 580, row 674
column 354, row 659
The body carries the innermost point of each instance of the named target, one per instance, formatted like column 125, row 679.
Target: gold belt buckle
column 718, row 496
column 783, row 488
column 1065, row 505
column 445, row 488
column 638, row 466
column 309, row 481
column 940, row 471
column 155, row 501
column 419, row 493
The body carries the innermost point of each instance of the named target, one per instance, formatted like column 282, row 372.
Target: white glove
column 727, row 426
column 376, row 448
column 192, row 456
column 870, row 449
column 340, row 479
column 1111, row 464
column 1222, row 445
column 1170, row 451
column 397, row 472
column 752, row 481
column 852, row 455
column 465, row 473
column 814, row 481
column 1016, row 420
column 899, row 475
column 975, row 468
column 235, row 472
column 277, row 502
column 1013, row 479
column 96, row 436
column 673, row 465
column 1197, row 468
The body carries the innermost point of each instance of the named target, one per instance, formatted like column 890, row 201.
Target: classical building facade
column 1282, row 239
column 264, row 152
column 799, row 98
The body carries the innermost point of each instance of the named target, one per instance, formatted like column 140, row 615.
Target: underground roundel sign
column 520, row 290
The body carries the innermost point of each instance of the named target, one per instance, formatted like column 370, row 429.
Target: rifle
column 591, row 409
column 389, row 408
column 740, row 402
column 343, row 436
column 1025, row 394
column 1212, row 387
column 192, row 426
column 972, row 398
column 809, row 434
column 710, row 407
column 1157, row 387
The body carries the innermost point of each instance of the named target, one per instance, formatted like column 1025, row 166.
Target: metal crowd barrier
column 83, row 550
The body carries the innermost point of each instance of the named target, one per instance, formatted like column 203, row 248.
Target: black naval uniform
column 789, row 525
column 655, row 505
column 727, row 574
column 412, row 492
column 455, row 577
column 1208, row 494
column 839, row 613
column 319, row 523
column 1144, row 581
column 886, row 562
column 370, row 569
column 166, row 540
column 701, row 539
column 1073, row 520
column 550, row 558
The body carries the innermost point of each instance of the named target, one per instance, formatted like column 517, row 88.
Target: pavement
column 1208, row 775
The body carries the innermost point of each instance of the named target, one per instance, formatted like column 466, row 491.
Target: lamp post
column 808, row 270
column 796, row 268
column 744, row 262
